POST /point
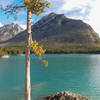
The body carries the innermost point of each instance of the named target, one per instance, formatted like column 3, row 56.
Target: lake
column 79, row 73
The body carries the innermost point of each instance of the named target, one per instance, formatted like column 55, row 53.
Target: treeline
column 11, row 51
column 73, row 48
column 12, row 48
column 19, row 48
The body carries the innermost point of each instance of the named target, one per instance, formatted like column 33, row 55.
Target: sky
column 86, row 10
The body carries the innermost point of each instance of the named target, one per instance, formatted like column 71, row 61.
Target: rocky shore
column 63, row 96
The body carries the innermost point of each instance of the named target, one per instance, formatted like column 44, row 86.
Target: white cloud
column 4, row 3
column 1, row 24
column 75, row 4
column 23, row 26
column 21, row 23
column 94, row 16
column 63, row 6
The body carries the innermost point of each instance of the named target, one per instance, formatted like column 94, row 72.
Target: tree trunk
column 27, row 58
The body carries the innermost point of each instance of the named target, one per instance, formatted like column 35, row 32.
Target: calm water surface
column 77, row 73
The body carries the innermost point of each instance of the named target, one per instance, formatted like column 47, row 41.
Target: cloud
column 21, row 23
column 72, row 8
column 4, row 3
column 69, row 5
column 75, row 4
column 1, row 24
column 94, row 17
column 23, row 26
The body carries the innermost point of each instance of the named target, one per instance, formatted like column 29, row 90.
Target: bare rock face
column 63, row 96
column 8, row 31
column 59, row 28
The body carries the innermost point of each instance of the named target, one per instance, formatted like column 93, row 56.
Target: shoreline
column 7, row 56
column 73, row 52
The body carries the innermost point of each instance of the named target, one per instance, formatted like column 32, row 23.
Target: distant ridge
column 8, row 31
column 60, row 29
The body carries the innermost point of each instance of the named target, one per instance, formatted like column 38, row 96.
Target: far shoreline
column 73, row 52
column 3, row 56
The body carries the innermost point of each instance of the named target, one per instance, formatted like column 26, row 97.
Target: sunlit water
column 75, row 73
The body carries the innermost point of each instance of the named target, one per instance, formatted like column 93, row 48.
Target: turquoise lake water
column 77, row 73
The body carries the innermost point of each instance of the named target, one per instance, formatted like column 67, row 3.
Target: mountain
column 60, row 29
column 8, row 31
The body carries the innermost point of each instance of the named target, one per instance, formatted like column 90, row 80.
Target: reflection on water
column 76, row 73
column 17, row 93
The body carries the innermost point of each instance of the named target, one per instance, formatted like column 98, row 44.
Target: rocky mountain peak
column 9, row 30
column 51, row 14
column 59, row 28
column 55, row 15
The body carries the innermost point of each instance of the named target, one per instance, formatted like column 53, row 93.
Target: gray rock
column 63, row 96
column 8, row 31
